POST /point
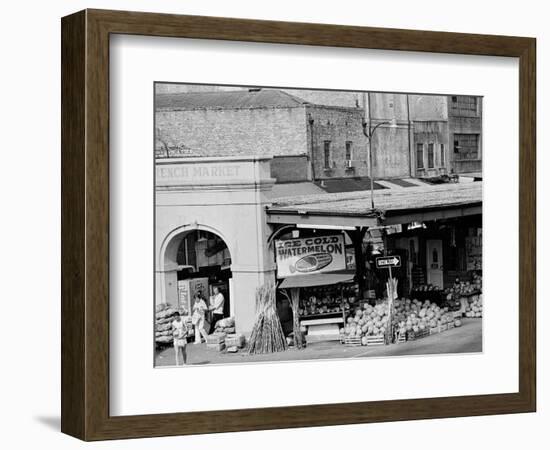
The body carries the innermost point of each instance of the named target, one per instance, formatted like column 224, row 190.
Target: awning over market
column 419, row 203
column 319, row 279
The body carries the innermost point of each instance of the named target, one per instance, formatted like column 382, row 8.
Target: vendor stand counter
column 321, row 326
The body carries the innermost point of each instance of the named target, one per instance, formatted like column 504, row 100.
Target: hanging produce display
column 327, row 299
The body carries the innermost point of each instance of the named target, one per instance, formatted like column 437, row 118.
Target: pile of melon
column 366, row 321
column 474, row 309
column 415, row 316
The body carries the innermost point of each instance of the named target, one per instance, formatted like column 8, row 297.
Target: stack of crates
column 216, row 341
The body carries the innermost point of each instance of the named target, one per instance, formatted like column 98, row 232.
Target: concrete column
column 245, row 284
column 170, row 287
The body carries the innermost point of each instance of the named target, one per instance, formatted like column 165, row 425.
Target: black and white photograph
column 295, row 224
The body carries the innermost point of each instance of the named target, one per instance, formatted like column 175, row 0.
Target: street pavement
column 464, row 339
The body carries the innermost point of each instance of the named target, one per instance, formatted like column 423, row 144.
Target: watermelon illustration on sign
column 312, row 263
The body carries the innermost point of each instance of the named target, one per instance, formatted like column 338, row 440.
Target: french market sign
column 310, row 255
column 200, row 172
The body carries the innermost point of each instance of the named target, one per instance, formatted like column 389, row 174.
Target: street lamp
column 369, row 131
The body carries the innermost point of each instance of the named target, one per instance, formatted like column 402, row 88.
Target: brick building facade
column 465, row 125
column 318, row 135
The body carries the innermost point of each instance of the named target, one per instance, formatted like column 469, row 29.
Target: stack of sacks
column 164, row 316
column 226, row 326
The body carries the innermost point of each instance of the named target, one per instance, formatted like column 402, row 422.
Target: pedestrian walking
column 198, row 317
column 179, row 331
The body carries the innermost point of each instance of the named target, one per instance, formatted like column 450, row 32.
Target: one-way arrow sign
column 386, row 262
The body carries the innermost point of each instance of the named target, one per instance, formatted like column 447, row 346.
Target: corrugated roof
column 429, row 196
column 245, row 99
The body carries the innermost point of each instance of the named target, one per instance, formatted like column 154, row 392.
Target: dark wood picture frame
column 85, row 224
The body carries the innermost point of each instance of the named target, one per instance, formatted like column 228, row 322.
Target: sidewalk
column 465, row 339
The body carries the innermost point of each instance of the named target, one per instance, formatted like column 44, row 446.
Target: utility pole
column 369, row 131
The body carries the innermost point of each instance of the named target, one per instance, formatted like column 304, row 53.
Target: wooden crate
column 401, row 338
column 215, row 339
column 413, row 335
column 235, row 340
column 218, row 347
column 352, row 341
column 376, row 340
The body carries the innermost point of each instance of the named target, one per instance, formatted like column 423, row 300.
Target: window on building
column 419, row 156
column 327, row 155
column 464, row 105
column 442, row 154
column 466, row 146
column 430, row 156
column 349, row 151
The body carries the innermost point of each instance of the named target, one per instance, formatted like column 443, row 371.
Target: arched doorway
column 192, row 259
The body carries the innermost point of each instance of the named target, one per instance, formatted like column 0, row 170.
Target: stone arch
column 170, row 243
column 167, row 265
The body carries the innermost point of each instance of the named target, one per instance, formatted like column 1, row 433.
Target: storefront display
column 328, row 299
column 466, row 295
column 323, row 301
column 428, row 292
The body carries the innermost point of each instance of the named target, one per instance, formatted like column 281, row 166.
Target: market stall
column 324, row 301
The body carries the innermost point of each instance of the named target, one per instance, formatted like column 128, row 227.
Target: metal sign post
column 387, row 262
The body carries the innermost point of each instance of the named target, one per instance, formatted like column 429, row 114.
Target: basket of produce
column 367, row 321
column 474, row 309
column 418, row 319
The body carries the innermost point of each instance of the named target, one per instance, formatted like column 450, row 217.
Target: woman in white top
column 199, row 308
column 179, row 331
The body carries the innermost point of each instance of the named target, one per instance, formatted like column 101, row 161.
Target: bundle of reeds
column 294, row 299
column 267, row 335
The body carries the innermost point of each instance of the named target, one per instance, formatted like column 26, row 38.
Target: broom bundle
column 267, row 335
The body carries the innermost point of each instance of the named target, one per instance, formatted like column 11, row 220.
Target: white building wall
column 226, row 196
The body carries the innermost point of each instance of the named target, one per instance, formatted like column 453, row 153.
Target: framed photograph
column 272, row 225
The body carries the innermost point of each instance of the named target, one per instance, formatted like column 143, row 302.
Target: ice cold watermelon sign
column 310, row 255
